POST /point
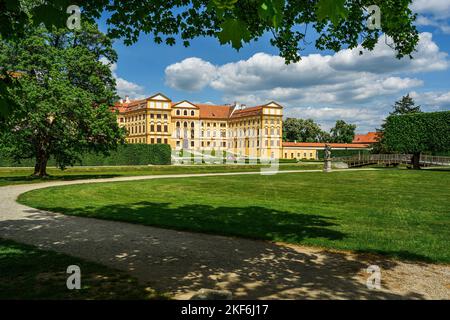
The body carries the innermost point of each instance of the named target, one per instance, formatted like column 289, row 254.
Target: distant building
column 368, row 138
column 310, row 150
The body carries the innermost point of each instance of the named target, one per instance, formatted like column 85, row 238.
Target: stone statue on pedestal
column 327, row 158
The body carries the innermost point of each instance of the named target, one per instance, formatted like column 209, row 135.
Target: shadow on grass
column 29, row 273
column 251, row 222
column 182, row 263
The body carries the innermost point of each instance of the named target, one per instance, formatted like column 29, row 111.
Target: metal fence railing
column 391, row 159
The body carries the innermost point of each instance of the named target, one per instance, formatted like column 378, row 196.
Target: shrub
column 128, row 154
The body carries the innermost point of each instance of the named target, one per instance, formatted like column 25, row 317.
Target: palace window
column 178, row 112
column 152, row 128
column 185, row 112
column 165, row 128
column 192, row 113
column 158, row 140
column 158, row 128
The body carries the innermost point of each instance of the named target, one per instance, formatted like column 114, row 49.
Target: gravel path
column 182, row 263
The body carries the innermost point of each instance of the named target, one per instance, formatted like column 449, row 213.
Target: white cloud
column 124, row 87
column 191, row 74
column 432, row 100
column 343, row 81
column 433, row 13
column 382, row 60
column 437, row 8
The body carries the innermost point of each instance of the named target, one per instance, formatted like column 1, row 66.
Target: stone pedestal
column 327, row 165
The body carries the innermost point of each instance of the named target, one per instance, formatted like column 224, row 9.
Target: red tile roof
column 322, row 145
column 247, row 112
column 370, row 137
column 210, row 111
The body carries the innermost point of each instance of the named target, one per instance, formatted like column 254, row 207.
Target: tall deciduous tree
column 418, row 132
column 63, row 96
column 303, row 130
column 342, row 132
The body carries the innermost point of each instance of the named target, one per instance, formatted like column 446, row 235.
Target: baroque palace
column 254, row 132
column 240, row 130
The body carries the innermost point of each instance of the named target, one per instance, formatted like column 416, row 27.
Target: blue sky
column 325, row 86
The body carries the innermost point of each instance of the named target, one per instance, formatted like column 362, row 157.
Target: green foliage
column 125, row 155
column 343, row 132
column 287, row 160
column 234, row 32
column 306, row 130
column 197, row 18
column 303, row 130
column 231, row 21
column 404, row 106
column 335, row 10
column 418, row 132
column 63, row 97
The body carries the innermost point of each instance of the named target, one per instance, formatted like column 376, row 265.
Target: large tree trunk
column 40, row 168
column 416, row 160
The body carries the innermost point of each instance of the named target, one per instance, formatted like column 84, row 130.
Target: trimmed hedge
column 288, row 160
column 418, row 132
column 128, row 154
column 341, row 153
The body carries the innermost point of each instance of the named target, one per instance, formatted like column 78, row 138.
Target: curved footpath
column 182, row 263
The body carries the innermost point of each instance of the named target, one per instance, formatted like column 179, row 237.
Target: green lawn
column 10, row 176
column 401, row 213
column 29, row 273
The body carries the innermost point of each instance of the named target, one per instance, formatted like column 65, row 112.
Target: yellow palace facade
column 243, row 131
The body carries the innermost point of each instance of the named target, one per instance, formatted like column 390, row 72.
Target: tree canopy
column 62, row 97
column 418, row 132
column 338, row 23
column 342, row 132
column 404, row 106
column 306, row 130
